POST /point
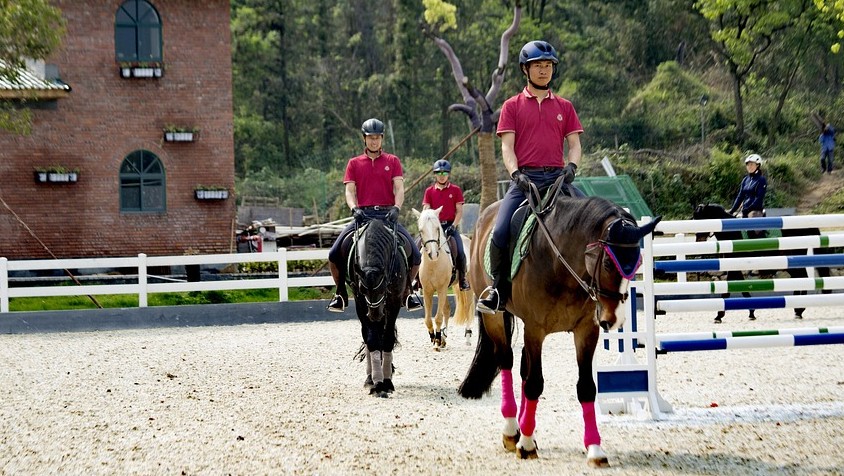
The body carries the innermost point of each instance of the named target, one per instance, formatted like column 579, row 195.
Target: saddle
column 523, row 225
column 349, row 246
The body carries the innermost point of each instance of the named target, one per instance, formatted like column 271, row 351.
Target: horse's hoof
column 368, row 382
column 717, row 320
column 798, row 316
column 751, row 318
column 442, row 343
column 510, row 441
column 382, row 389
column 596, row 458
column 527, row 454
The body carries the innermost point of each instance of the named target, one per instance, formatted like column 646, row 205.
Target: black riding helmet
column 372, row 126
column 442, row 165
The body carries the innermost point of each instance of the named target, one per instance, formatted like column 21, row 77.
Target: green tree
column 743, row 31
column 29, row 29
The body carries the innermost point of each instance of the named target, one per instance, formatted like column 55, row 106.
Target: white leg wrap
column 377, row 369
column 526, row 443
column 511, row 426
column 387, row 365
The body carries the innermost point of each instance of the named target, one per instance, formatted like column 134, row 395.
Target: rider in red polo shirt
column 534, row 126
column 450, row 197
column 374, row 189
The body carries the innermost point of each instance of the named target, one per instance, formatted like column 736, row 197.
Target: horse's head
column 708, row 211
column 433, row 238
column 611, row 263
column 374, row 265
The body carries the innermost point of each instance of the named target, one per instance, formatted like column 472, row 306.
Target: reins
column 534, row 207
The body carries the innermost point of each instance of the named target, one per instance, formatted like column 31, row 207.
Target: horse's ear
column 438, row 210
column 649, row 228
column 416, row 212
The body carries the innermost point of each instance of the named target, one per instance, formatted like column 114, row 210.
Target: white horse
column 435, row 276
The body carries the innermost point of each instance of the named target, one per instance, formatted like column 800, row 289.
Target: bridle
column 593, row 288
column 439, row 241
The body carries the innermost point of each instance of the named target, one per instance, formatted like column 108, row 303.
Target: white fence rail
column 143, row 287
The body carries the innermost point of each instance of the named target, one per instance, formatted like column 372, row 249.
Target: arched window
column 137, row 32
column 142, row 183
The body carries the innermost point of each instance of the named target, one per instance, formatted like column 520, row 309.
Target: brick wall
column 107, row 117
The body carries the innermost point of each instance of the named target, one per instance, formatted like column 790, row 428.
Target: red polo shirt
column 540, row 128
column 373, row 178
column 448, row 197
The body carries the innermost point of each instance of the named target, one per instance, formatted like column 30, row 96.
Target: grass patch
column 60, row 303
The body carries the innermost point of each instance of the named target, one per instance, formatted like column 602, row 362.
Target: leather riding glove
column 521, row 180
column 392, row 215
column 360, row 217
column 568, row 172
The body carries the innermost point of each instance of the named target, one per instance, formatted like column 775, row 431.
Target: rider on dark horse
column 534, row 125
column 374, row 190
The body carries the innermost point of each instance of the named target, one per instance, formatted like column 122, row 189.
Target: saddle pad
column 520, row 250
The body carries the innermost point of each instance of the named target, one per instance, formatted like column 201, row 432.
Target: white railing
column 143, row 287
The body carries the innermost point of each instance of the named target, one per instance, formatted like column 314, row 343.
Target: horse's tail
column 485, row 365
column 465, row 306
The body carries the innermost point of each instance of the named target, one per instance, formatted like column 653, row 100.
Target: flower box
column 211, row 194
column 56, row 176
column 128, row 70
column 183, row 136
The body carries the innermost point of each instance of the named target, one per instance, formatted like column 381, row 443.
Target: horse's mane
column 380, row 244
column 574, row 213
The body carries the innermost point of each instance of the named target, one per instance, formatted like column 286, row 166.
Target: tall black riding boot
column 461, row 272
column 340, row 300
column 494, row 298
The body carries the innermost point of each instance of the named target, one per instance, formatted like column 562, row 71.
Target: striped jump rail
column 762, row 223
column 750, row 285
column 727, row 334
column 752, row 342
column 743, row 303
column 754, row 244
column 741, row 264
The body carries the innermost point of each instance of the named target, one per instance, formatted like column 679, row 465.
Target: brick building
column 98, row 175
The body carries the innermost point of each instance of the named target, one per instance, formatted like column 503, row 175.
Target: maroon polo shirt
column 448, row 197
column 373, row 178
column 540, row 128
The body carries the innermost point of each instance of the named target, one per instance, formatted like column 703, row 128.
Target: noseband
column 438, row 241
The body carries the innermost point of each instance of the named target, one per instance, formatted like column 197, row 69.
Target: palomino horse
column 572, row 279
column 378, row 283
column 436, row 276
column 714, row 211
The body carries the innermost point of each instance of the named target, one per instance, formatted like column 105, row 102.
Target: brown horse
column 572, row 280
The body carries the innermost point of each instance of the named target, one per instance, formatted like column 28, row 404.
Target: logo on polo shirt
column 560, row 117
column 387, row 167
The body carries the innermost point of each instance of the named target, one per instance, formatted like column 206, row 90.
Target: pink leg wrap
column 508, row 400
column 527, row 420
column 590, row 426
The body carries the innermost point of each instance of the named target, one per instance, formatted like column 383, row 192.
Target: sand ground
column 288, row 399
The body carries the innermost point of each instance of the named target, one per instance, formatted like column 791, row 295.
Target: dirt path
column 828, row 184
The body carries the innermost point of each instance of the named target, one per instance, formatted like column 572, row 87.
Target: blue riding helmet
column 442, row 165
column 537, row 51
